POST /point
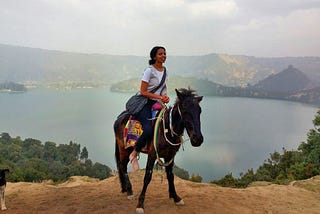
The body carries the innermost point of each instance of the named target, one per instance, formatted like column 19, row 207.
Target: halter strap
column 170, row 122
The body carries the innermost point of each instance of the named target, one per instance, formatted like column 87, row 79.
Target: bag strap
column 162, row 80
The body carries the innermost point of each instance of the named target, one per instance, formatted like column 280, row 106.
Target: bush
column 29, row 160
column 196, row 178
column 226, row 181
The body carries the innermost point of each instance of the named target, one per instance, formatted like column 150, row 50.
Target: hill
column 288, row 81
column 290, row 84
column 203, row 87
column 86, row 195
column 39, row 66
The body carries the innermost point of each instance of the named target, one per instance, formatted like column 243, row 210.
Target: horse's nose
column 197, row 141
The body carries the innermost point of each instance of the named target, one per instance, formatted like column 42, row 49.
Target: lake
column 239, row 133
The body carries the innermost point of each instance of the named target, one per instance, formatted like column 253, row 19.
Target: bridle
column 173, row 133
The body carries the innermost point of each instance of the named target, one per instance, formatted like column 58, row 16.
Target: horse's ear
column 178, row 94
column 199, row 98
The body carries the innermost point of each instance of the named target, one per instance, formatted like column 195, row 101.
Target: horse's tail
column 117, row 154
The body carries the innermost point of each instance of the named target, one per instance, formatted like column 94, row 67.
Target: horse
column 184, row 115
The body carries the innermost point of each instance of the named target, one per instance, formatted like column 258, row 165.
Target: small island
column 12, row 87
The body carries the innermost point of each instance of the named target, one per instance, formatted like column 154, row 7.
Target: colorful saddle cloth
column 132, row 132
column 133, row 129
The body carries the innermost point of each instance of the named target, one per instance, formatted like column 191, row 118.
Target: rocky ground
column 87, row 195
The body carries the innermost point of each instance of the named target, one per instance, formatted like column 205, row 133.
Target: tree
column 5, row 137
column 311, row 149
column 227, row 181
column 32, row 148
column 50, row 151
column 100, row 171
column 35, row 170
column 31, row 161
column 67, row 154
column 84, row 154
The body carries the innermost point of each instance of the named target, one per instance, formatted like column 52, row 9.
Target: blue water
column 239, row 133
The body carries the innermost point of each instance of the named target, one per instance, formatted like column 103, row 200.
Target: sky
column 261, row 28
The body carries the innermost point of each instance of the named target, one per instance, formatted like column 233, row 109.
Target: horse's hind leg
column 125, row 183
column 124, row 178
column 172, row 189
column 122, row 159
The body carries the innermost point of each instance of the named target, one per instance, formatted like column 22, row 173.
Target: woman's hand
column 165, row 98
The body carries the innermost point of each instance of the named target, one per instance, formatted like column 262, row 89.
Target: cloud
column 275, row 7
column 185, row 27
column 220, row 8
column 277, row 35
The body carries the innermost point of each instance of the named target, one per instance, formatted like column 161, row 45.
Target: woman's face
column 160, row 56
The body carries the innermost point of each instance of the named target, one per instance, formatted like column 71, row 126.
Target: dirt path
column 85, row 195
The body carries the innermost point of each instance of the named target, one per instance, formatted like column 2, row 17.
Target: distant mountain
column 32, row 65
column 21, row 64
column 208, row 88
column 288, row 81
column 203, row 87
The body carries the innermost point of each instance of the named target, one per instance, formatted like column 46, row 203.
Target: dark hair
column 153, row 54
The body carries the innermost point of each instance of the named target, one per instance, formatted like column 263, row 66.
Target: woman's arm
column 144, row 92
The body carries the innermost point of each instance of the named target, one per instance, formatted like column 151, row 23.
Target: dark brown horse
column 185, row 114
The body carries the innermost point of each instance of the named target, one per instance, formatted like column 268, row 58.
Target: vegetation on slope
column 31, row 161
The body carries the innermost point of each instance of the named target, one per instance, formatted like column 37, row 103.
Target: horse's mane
column 186, row 92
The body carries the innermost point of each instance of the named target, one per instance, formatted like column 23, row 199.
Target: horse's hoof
column 139, row 210
column 3, row 208
column 130, row 197
column 180, row 203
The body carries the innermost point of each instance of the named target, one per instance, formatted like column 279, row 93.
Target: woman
column 150, row 80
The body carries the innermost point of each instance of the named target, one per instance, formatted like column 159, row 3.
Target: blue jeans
column 144, row 116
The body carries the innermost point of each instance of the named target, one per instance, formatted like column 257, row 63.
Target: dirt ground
column 87, row 195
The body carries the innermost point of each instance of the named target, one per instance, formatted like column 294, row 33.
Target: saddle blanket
column 132, row 132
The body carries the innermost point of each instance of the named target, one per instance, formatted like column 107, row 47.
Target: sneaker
column 134, row 162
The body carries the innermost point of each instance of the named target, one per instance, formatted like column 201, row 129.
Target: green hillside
column 203, row 87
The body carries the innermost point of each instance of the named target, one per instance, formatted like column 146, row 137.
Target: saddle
column 133, row 129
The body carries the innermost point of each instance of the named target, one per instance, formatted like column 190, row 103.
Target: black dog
column 3, row 183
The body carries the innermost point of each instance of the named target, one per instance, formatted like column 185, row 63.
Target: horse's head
column 190, row 110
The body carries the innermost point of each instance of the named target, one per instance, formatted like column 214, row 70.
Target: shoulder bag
column 137, row 101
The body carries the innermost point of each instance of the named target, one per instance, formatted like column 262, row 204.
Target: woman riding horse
column 184, row 115
column 154, row 89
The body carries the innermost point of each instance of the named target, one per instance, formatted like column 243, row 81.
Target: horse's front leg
column 172, row 189
column 147, row 179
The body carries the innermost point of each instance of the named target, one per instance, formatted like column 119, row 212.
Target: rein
column 165, row 131
column 171, row 129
